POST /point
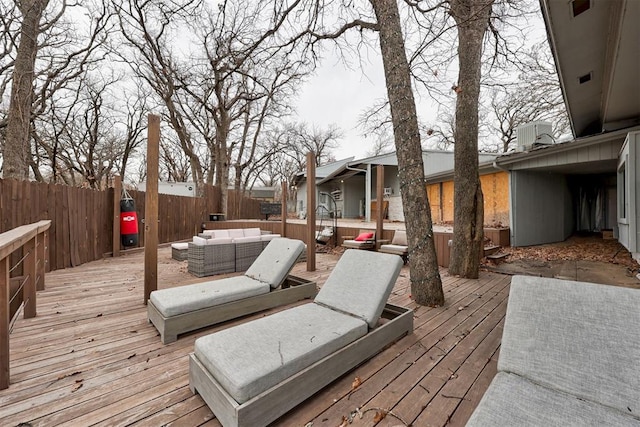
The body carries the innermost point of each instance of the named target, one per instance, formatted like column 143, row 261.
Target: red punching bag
column 128, row 220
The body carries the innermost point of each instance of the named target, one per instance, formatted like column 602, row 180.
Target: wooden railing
column 33, row 241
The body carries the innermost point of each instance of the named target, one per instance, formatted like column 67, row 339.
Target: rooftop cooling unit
column 533, row 134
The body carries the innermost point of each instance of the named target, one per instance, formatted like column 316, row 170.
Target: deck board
column 90, row 357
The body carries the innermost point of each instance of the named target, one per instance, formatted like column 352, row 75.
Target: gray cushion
column 394, row 249
column 579, row 338
column 250, row 358
column 514, row 401
column 276, row 261
column 185, row 299
column 360, row 284
column 399, row 238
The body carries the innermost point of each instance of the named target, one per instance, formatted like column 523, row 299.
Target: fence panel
column 82, row 219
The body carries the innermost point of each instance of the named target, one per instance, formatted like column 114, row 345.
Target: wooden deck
column 91, row 358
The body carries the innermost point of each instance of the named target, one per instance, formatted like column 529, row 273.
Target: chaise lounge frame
column 293, row 289
column 281, row 398
column 283, row 289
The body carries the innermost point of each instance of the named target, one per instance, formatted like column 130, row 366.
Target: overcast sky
column 337, row 95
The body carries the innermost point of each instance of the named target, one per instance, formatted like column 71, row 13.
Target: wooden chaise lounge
column 253, row 373
column 570, row 356
column 264, row 285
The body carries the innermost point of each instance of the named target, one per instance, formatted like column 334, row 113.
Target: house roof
column 596, row 55
column 324, row 170
column 434, row 161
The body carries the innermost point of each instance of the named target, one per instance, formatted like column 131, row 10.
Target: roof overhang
column 597, row 59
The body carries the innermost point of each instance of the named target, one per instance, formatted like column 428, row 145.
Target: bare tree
column 382, row 17
column 426, row 285
column 472, row 19
column 17, row 142
column 535, row 95
column 62, row 55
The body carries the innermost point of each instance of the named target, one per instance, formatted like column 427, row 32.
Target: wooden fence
column 82, row 219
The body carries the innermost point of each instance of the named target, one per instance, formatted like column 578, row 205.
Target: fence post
column 4, row 323
column 117, row 189
column 29, row 289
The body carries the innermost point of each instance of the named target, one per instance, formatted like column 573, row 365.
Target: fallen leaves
column 356, row 383
column 379, row 416
column 577, row 248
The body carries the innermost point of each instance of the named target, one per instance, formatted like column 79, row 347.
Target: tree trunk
column 426, row 285
column 472, row 17
column 17, row 140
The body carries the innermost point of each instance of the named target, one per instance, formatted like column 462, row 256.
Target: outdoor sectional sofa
column 225, row 251
column 253, row 373
column 264, row 285
column 570, row 355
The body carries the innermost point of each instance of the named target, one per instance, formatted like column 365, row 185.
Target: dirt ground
column 587, row 258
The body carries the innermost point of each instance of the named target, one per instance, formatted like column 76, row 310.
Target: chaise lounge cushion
column 276, row 261
column 185, row 299
column 577, row 338
column 250, row 358
column 348, row 289
column 515, row 401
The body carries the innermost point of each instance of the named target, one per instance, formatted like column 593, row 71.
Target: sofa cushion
column 250, row 358
column 252, row 232
column 219, row 241
column 246, row 239
column 217, row 234
column 360, row 284
column 514, row 401
column 236, row 232
column 185, row 299
column 276, row 261
column 200, row 241
column 578, row 338
column 208, row 232
column 180, row 246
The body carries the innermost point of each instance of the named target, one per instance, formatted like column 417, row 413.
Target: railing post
column 42, row 258
column 4, row 323
column 29, row 290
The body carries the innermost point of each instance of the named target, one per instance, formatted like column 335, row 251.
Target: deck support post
column 151, row 208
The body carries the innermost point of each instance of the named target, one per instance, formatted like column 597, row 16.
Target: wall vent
column 585, row 78
column 580, row 6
